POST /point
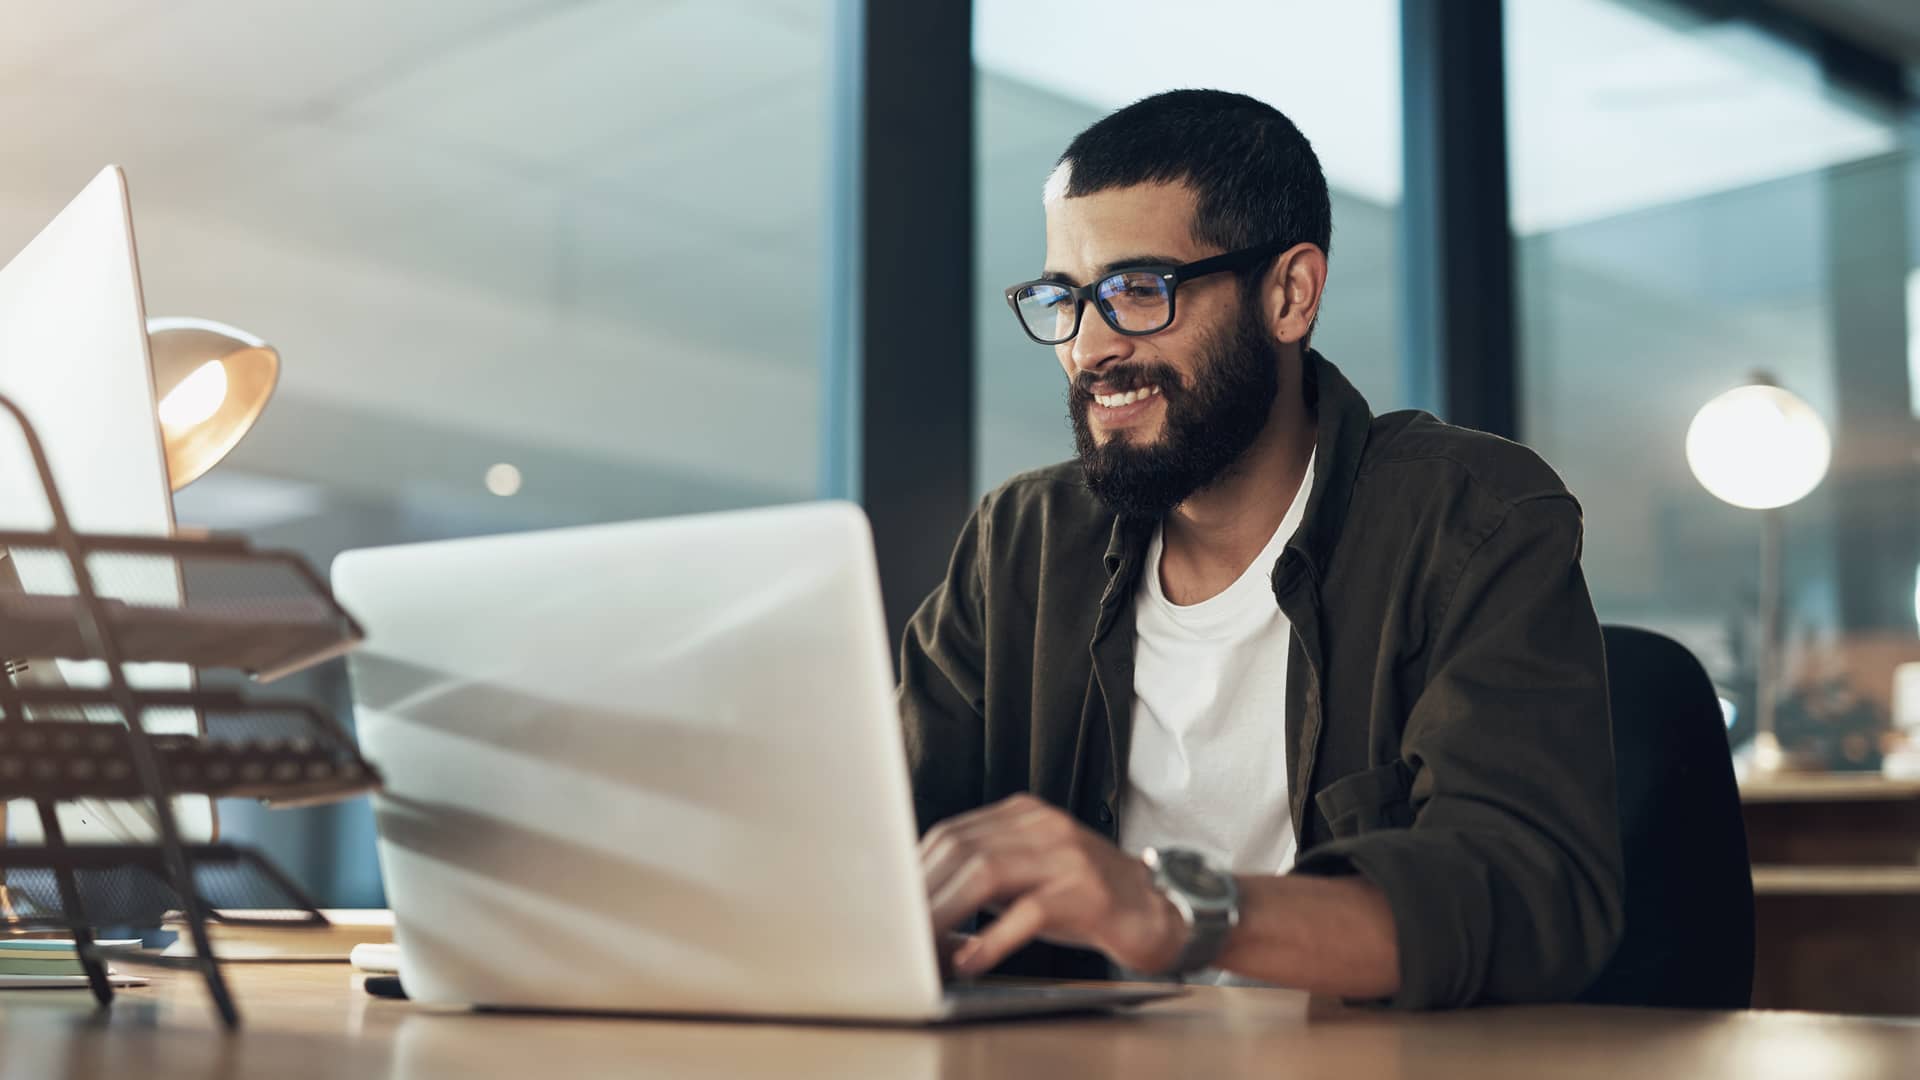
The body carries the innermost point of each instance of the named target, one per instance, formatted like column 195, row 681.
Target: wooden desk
column 312, row 1021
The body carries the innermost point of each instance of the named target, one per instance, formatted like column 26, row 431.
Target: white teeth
column 1117, row 401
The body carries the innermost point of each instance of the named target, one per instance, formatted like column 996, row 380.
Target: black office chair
column 1689, row 904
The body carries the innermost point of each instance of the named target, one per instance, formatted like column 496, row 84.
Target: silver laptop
column 74, row 356
column 653, row 767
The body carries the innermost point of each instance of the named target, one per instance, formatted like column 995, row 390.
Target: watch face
column 1191, row 874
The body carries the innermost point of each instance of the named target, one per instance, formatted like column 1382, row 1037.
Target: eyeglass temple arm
column 1232, row 260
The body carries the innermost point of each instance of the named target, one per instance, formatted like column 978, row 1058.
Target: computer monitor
column 74, row 357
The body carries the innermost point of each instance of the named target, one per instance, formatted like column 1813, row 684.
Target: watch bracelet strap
column 1199, row 952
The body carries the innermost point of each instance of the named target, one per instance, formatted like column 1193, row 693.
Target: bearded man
column 1261, row 687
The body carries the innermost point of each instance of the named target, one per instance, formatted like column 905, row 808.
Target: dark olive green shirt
column 1446, row 700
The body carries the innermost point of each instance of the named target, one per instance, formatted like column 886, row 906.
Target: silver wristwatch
column 1208, row 901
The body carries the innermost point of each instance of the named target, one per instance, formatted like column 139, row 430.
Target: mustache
column 1119, row 380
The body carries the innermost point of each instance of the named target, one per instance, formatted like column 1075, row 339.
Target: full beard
column 1207, row 427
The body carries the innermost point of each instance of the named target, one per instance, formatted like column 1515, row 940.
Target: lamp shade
column 1758, row 446
column 211, row 381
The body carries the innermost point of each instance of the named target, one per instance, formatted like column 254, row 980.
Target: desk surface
column 313, row 1021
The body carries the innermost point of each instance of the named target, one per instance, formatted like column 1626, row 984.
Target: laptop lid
column 652, row 766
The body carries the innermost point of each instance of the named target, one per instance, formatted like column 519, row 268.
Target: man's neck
column 1209, row 540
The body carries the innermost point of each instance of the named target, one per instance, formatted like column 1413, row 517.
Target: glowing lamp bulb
column 197, row 398
column 1758, row 447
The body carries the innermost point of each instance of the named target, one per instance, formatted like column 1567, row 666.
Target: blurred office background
column 606, row 243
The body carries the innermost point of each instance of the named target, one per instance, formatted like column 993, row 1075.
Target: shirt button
column 1104, row 814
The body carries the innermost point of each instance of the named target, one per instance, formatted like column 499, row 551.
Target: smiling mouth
column 1121, row 400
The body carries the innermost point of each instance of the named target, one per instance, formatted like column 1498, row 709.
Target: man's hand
column 1049, row 877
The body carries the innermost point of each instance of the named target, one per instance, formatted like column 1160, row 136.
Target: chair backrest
column 1689, row 904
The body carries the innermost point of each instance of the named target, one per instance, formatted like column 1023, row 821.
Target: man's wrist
column 1205, row 908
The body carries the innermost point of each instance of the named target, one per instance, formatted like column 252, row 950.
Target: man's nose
column 1097, row 345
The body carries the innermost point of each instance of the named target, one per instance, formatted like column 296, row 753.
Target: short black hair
column 1256, row 177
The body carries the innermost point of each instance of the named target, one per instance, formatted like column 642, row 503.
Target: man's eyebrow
column 1122, row 263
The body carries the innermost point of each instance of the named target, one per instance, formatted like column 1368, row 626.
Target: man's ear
column 1292, row 291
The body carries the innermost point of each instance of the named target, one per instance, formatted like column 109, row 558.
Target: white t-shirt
column 1208, row 764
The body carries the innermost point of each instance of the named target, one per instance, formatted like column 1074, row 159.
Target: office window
column 1695, row 201
column 1044, row 73
column 583, row 241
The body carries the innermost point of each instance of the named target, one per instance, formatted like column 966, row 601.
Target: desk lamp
column 211, row 381
column 1759, row 447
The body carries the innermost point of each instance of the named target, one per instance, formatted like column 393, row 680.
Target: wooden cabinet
column 1836, row 880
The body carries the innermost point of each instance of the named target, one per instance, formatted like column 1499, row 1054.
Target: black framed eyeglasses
column 1134, row 300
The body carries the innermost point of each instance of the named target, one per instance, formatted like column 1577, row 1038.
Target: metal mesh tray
column 211, row 603
column 126, row 885
column 73, row 744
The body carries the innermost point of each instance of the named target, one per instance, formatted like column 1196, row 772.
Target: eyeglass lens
column 1136, row 301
